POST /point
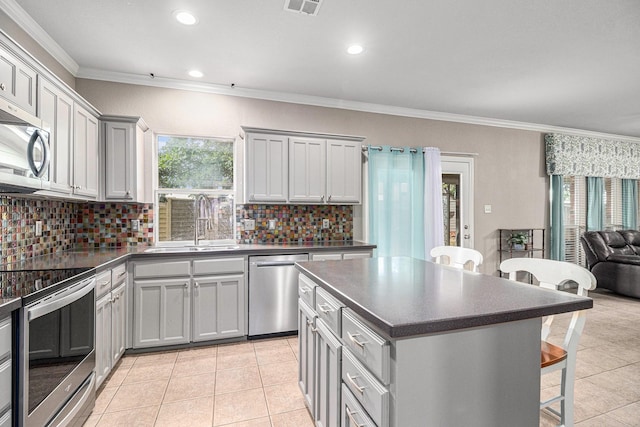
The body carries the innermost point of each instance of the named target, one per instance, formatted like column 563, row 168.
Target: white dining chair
column 553, row 275
column 456, row 256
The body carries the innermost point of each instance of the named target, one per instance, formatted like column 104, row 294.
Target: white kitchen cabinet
column 56, row 109
column 161, row 312
column 267, row 168
column 307, row 353
column 218, row 307
column 17, row 82
column 86, row 153
column 123, row 150
column 6, row 378
column 103, row 338
column 118, row 322
column 337, row 256
column 327, row 376
column 344, row 175
column 307, row 170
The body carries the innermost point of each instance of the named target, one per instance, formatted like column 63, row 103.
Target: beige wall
column 23, row 39
column 509, row 170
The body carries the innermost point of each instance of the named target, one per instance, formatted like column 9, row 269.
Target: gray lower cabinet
column 306, row 350
column 161, row 312
column 118, row 321
column 103, row 338
column 352, row 414
column 5, row 372
column 218, row 307
column 327, row 379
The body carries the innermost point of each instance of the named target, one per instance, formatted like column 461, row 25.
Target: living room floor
column 254, row 383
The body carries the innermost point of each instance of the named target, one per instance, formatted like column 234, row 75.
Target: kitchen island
column 420, row 344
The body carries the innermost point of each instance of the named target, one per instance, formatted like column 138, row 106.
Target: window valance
column 571, row 155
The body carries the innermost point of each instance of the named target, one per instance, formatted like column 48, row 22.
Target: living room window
column 188, row 167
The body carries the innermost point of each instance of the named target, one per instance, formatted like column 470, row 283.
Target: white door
column 458, row 172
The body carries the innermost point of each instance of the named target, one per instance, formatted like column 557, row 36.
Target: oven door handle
column 61, row 299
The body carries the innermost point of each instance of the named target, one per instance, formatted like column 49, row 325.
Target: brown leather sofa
column 614, row 258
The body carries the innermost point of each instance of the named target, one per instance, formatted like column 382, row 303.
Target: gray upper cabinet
column 86, row 153
column 123, row 150
column 267, row 168
column 344, row 175
column 17, row 81
column 56, row 109
column 307, row 182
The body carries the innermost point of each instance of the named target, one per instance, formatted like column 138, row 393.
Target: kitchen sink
column 199, row 248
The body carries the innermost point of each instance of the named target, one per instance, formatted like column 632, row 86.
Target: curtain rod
column 415, row 150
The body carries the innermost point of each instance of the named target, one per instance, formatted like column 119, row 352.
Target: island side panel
column 486, row 376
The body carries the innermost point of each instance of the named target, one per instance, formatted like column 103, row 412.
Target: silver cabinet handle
column 2, row 86
column 351, row 414
column 322, row 199
column 305, row 289
column 310, row 325
column 323, row 308
column 122, row 274
column 186, row 285
column 353, row 382
column 103, row 284
column 353, row 339
column 196, row 284
column 329, row 199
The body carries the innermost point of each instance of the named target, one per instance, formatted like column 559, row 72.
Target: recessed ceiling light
column 185, row 17
column 355, row 49
column 196, row 73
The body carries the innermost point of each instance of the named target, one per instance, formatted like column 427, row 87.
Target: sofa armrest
column 624, row 259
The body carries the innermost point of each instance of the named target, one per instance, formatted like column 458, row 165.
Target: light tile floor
column 254, row 383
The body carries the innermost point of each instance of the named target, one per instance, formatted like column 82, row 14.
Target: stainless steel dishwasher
column 273, row 294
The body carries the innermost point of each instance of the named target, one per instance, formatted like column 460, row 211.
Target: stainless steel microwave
column 24, row 151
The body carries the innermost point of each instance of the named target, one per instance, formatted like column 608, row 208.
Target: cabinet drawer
column 328, row 309
column 218, row 266
column 162, row 269
column 326, row 257
column 118, row 274
column 369, row 347
column 352, row 413
column 356, row 255
column 5, row 384
column 103, row 283
column 372, row 395
column 306, row 290
column 5, row 339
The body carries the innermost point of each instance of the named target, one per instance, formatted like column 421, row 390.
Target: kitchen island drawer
column 162, row 269
column 118, row 274
column 369, row 347
column 306, row 290
column 5, row 339
column 328, row 309
column 372, row 395
column 352, row 413
column 219, row 266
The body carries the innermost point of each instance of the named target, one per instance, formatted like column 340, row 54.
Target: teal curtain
column 595, row 204
column 557, row 218
column 396, row 202
column 630, row 204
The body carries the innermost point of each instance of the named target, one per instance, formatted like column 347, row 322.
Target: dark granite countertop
column 18, row 278
column 404, row 297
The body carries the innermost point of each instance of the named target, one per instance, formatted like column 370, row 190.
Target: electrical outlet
column 38, row 228
column 326, row 223
column 135, row 225
column 272, row 224
column 249, row 224
column 38, row 284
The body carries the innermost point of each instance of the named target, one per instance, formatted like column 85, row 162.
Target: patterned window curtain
column 595, row 203
column 396, row 202
column 630, row 204
column 557, row 218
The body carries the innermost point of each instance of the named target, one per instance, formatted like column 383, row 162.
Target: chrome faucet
column 201, row 213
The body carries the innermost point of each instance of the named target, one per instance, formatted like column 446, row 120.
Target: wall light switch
column 249, row 224
column 326, row 223
column 272, row 224
column 135, row 224
column 38, row 228
column 487, row 208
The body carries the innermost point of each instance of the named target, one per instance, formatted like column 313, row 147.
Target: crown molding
column 35, row 31
column 317, row 101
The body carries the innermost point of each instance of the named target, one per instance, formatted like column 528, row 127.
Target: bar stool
column 456, row 256
column 551, row 275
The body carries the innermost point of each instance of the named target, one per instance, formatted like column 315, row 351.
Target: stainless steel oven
column 57, row 367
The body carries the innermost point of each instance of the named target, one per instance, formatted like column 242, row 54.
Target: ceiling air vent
column 308, row 7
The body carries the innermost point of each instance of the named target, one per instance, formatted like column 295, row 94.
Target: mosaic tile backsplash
column 68, row 225
column 295, row 223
